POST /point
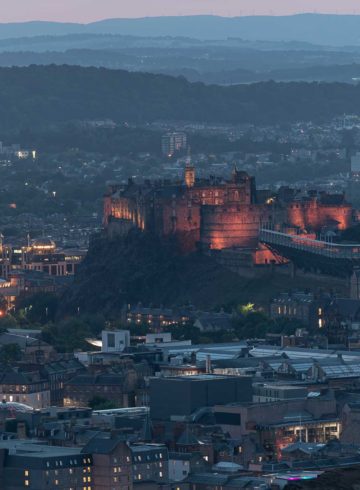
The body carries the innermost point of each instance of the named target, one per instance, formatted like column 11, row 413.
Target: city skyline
column 85, row 10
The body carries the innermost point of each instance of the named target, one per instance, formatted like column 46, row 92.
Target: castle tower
column 189, row 172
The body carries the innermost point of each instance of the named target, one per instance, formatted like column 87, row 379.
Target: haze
column 92, row 10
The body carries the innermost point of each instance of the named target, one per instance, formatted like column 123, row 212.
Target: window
column 111, row 340
column 26, row 472
column 160, row 474
column 26, row 483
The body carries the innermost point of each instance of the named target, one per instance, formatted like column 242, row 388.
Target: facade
column 275, row 425
column 115, row 341
column 187, row 394
column 27, row 388
column 40, row 467
column 216, row 214
column 111, row 464
column 301, row 306
column 40, row 256
column 150, row 463
column 155, row 317
column 173, row 142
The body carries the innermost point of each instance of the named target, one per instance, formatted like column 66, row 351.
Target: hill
column 45, row 95
column 143, row 268
column 325, row 29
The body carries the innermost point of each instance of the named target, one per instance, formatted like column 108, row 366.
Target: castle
column 217, row 214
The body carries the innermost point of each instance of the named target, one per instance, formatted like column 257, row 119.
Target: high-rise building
column 173, row 142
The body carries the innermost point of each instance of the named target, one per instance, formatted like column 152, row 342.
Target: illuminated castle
column 214, row 213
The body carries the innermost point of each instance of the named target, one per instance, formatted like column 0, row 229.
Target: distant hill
column 42, row 95
column 120, row 60
column 332, row 30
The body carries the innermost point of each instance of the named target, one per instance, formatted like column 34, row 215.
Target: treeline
column 45, row 95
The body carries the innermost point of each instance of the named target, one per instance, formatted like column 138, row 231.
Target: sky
column 92, row 10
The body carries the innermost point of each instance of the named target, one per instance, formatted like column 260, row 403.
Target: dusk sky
column 90, row 10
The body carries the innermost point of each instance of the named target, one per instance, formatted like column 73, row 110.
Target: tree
column 10, row 353
column 39, row 308
column 101, row 403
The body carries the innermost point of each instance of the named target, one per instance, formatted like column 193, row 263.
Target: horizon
column 85, row 12
column 142, row 17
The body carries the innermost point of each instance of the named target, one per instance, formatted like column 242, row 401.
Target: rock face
column 141, row 267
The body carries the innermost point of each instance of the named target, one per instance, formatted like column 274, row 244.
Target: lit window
column 26, row 472
column 56, row 482
column 160, row 474
column 26, row 483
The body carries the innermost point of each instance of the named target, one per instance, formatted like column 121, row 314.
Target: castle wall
column 314, row 215
column 123, row 208
column 181, row 218
column 232, row 226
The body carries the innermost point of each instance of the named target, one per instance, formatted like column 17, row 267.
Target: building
column 187, row 394
column 273, row 392
column 111, row 463
column 216, row 214
column 301, row 306
column 213, row 322
column 25, row 464
column 150, row 462
column 172, row 143
column 115, row 340
column 156, row 317
column 275, row 425
column 29, row 388
column 43, row 255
